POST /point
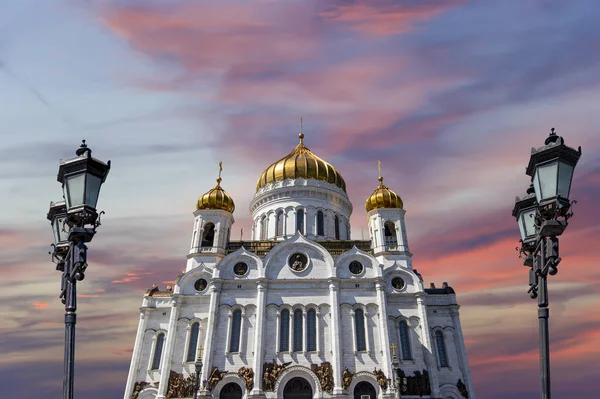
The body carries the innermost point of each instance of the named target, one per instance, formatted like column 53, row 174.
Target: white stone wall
column 325, row 281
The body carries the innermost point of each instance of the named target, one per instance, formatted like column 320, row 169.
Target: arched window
column 390, row 234
column 208, row 236
column 320, row 224
column 297, row 330
column 441, row 348
column 284, row 331
column 311, row 330
column 300, row 220
column 236, row 323
column 193, row 343
column 359, row 323
column 336, row 223
column 404, row 341
column 158, row 347
column 263, row 227
column 279, row 224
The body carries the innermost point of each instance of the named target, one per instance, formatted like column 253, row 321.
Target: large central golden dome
column 301, row 163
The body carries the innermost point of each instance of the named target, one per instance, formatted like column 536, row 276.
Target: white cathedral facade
column 300, row 310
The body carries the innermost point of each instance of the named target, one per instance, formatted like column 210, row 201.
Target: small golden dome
column 301, row 163
column 383, row 197
column 216, row 198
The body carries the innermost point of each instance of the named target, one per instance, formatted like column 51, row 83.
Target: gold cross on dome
column 379, row 167
column 220, row 168
column 393, row 346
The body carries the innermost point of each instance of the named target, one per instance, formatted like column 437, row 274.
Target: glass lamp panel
column 545, row 180
column 74, row 187
column 522, row 227
column 56, row 230
column 92, row 190
column 63, row 229
column 529, row 222
column 565, row 176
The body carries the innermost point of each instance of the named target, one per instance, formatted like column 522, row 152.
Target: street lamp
column 74, row 222
column 542, row 216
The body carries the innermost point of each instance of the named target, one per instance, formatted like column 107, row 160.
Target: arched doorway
column 364, row 390
column 297, row 388
column 231, row 391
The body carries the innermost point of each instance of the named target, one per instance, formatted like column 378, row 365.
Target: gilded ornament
column 383, row 197
column 301, row 163
column 216, row 198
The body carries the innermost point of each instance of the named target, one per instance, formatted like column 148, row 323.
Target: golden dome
column 301, row 163
column 383, row 197
column 216, row 198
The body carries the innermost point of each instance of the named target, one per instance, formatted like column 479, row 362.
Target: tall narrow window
column 404, row 341
column 336, row 223
column 263, row 228
column 390, row 235
column 208, row 236
column 236, row 323
column 441, row 348
column 311, row 333
column 284, row 331
column 300, row 220
column 158, row 347
column 359, row 320
column 279, row 224
column 297, row 330
column 320, row 227
column 193, row 344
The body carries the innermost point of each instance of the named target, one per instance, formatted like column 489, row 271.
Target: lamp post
column 542, row 216
column 198, row 369
column 396, row 368
column 74, row 222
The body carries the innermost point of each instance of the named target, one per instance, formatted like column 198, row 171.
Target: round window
column 240, row 268
column 298, row 262
column 356, row 267
column 200, row 284
column 398, row 283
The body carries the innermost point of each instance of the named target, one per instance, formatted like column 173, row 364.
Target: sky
column 450, row 95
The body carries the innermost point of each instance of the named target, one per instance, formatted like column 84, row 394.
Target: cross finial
column 200, row 352
column 242, row 234
column 220, row 170
column 552, row 133
column 301, row 135
column 379, row 171
column 393, row 346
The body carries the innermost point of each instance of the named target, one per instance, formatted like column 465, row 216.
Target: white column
column 426, row 337
column 277, row 330
column 366, row 325
column 402, row 237
column 304, row 331
column 209, row 339
column 165, row 366
column 384, row 338
column 462, row 351
column 309, row 222
column 243, row 337
column 272, row 223
column 228, row 336
column 353, row 324
column 261, row 292
column 318, row 328
column 291, row 331
column 335, row 335
column 137, row 353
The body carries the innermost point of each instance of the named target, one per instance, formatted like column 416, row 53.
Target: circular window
column 356, row 267
column 298, row 262
column 200, row 284
column 398, row 283
column 240, row 268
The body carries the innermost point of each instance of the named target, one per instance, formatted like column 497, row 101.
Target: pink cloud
column 41, row 305
column 383, row 18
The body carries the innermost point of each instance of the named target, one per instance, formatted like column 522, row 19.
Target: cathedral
column 300, row 310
